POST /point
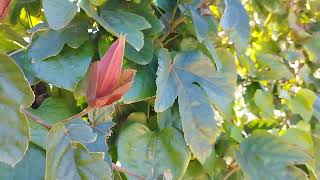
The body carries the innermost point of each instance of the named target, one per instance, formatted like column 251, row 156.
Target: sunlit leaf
column 15, row 93
column 235, row 21
column 59, row 13
column 264, row 155
column 67, row 160
column 178, row 78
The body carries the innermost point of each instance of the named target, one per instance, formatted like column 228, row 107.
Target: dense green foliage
column 224, row 89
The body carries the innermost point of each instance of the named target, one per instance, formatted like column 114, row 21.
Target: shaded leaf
column 150, row 153
column 144, row 55
column 52, row 110
column 169, row 118
column 31, row 167
column 143, row 86
column 25, row 63
column 195, row 171
column 49, row 43
column 117, row 22
column 66, row 69
column 127, row 23
column 215, row 166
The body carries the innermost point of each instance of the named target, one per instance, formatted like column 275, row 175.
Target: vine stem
column 126, row 171
column 172, row 26
column 231, row 172
column 36, row 119
column 79, row 115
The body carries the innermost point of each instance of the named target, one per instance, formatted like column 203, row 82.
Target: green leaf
column 25, row 63
column 302, row 103
column 299, row 138
column 193, row 66
column 295, row 26
column 150, row 153
column 166, row 5
column 316, row 108
column 15, row 92
column 52, row 110
column 101, row 124
column 312, row 47
column 271, row 68
column 71, row 160
column 178, row 78
column 143, row 56
column 248, row 64
column 143, row 86
column 166, row 83
column 10, row 39
column 295, row 173
column 204, row 27
column 215, row 166
column 127, row 23
column 31, row 167
column 144, row 9
column 304, row 141
column 80, row 131
column 264, row 102
column 101, row 114
column 266, row 156
column 195, row 171
column 66, row 69
column 316, row 165
column 235, row 21
column 233, row 131
column 198, row 123
column 169, row 118
column 97, row 2
column 260, row 124
column 59, row 13
column 51, row 42
column 117, row 22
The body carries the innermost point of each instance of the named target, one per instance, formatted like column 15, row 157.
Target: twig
column 172, row 26
column 126, row 171
column 231, row 172
column 36, row 119
column 79, row 115
column 174, row 11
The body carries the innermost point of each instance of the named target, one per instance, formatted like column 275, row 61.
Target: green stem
column 36, row 119
column 79, row 115
column 120, row 169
